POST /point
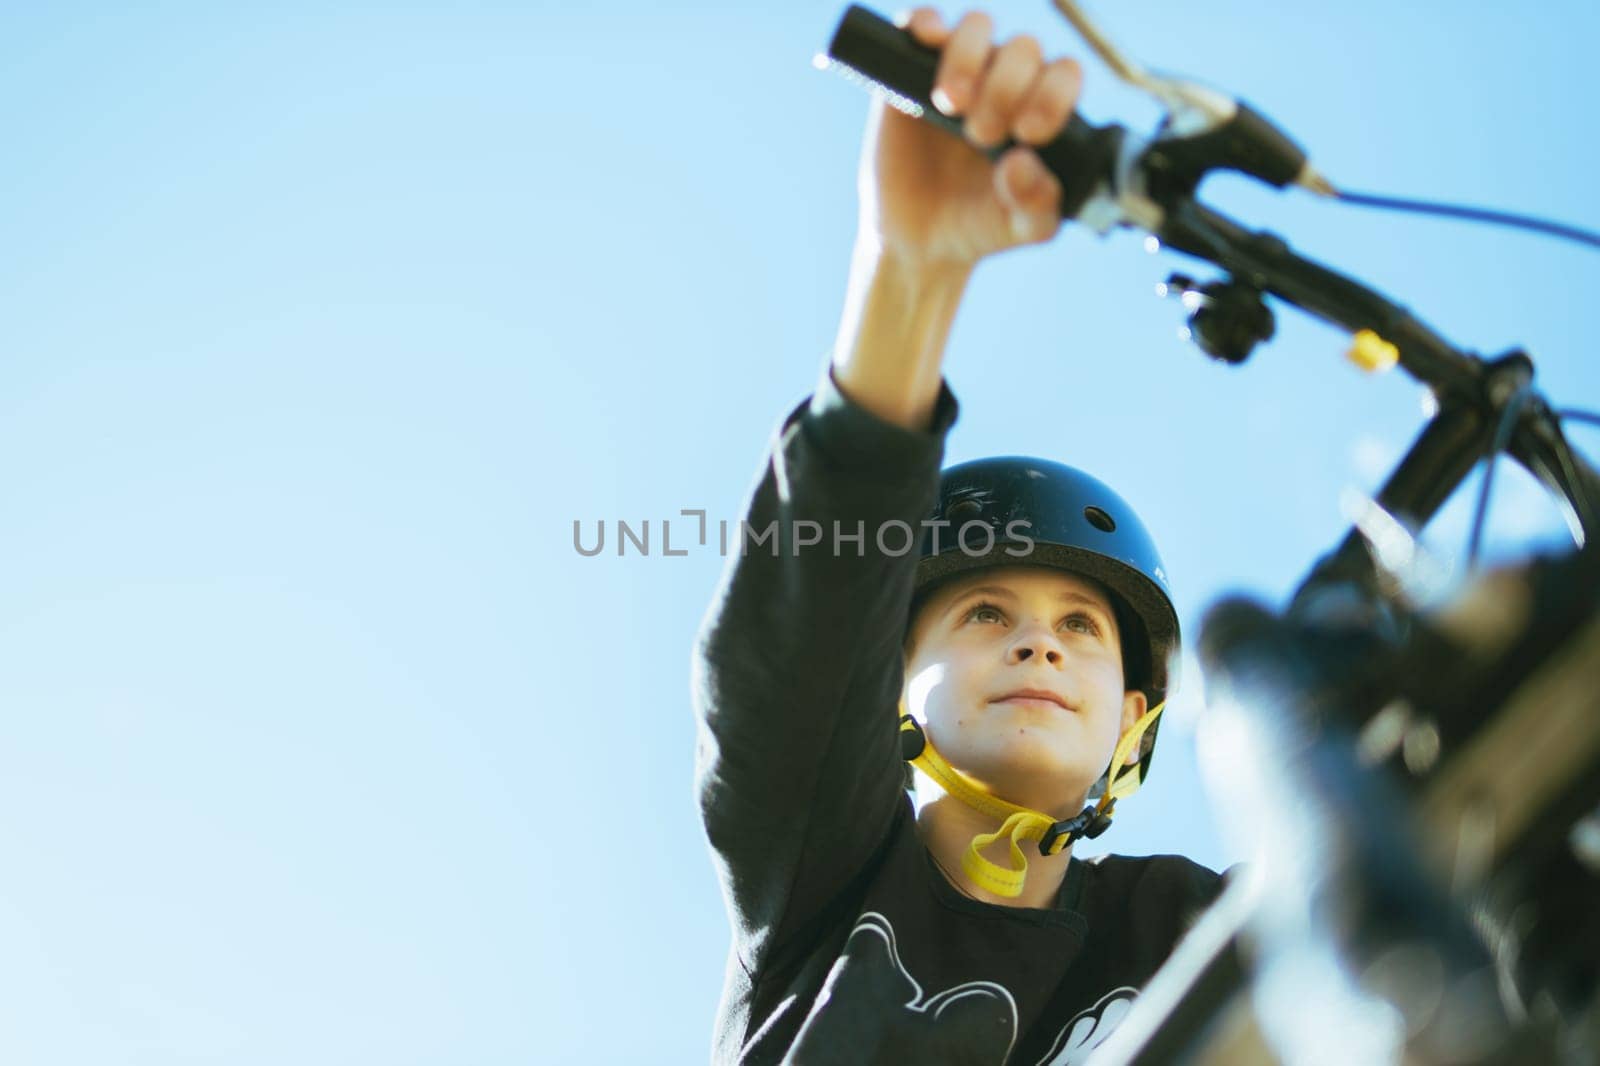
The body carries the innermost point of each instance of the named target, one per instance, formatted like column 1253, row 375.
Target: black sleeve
column 797, row 667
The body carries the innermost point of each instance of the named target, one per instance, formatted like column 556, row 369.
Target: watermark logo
column 894, row 538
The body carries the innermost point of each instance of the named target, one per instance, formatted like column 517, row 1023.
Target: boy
column 1019, row 659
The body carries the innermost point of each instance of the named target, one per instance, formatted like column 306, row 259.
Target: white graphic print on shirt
column 855, row 1021
column 1089, row 1029
column 855, row 1014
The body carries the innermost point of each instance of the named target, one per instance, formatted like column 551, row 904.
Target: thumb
column 1030, row 193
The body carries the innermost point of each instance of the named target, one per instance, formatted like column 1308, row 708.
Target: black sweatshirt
column 849, row 946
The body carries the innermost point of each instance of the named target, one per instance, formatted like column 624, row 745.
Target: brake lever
column 1204, row 129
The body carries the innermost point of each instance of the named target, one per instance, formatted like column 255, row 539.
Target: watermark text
column 892, row 538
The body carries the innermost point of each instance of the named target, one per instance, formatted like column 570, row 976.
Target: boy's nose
column 1035, row 644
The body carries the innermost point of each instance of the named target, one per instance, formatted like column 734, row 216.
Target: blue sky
column 320, row 325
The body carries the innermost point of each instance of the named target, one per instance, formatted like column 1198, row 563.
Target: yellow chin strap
column 1020, row 823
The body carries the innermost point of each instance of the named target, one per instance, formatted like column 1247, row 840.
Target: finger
column 961, row 63
column 1048, row 103
column 925, row 25
column 1014, row 67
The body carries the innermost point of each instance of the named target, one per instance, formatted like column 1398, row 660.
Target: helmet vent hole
column 1100, row 520
column 964, row 510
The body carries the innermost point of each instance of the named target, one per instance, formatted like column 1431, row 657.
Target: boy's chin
column 1052, row 799
column 1039, row 780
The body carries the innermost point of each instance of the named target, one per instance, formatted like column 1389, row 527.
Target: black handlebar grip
column 883, row 54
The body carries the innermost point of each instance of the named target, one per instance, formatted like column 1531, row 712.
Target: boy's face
column 982, row 638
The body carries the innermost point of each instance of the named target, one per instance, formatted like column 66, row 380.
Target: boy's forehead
column 1019, row 579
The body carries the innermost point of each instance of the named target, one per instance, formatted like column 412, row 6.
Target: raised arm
column 931, row 207
column 797, row 669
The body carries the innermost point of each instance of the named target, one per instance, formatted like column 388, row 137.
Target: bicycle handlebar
column 1110, row 176
column 888, row 57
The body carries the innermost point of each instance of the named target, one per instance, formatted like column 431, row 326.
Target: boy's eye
column 985, row 612
column 1081, row 623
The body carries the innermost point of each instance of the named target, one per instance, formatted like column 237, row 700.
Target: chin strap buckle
column 1087, row 824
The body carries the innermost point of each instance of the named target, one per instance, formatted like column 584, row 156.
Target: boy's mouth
column 1033, row 694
